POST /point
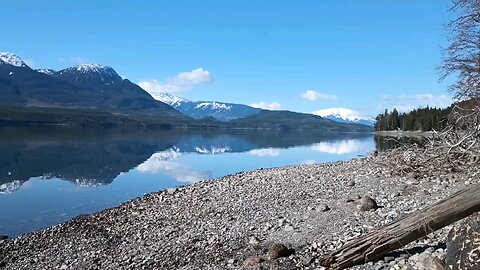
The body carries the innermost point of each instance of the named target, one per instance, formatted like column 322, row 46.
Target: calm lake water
column 49, row 175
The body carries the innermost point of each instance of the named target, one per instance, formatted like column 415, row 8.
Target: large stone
column 277, row 250
column 3, row 237
column 366, row 204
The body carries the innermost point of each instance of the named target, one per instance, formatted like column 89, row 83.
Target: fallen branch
column 405, row 230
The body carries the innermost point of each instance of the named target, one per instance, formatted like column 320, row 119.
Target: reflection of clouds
column 308, row 162
column 213, row 150
column 265, row 152
column 337, row 147
column 164, row 162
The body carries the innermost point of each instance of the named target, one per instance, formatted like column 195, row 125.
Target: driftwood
column 399, row 233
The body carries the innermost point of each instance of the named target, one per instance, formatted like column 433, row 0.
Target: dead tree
column 399, row 233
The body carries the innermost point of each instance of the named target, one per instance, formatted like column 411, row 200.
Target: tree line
column 424, row 119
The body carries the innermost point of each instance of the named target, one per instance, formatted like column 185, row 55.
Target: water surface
column 50, row 174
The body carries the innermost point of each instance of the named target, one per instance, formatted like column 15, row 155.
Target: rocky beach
column 279, row 218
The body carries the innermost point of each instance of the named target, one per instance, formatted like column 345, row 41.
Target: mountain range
column 204, row 109
column 89, row 94
column 345, row 115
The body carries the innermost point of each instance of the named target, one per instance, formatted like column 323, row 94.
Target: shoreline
column 220, row 223
column 411, row 134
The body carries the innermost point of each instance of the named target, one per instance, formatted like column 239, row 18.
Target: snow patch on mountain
column 85, row 68
column 170, row 99
column 11, row 59
column 214, row 106
column 47, row 71
column 345, row 115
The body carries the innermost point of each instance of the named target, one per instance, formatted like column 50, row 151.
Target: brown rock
column 276, row 251
column 3, row 237
column 366, row 204
column 253, row 261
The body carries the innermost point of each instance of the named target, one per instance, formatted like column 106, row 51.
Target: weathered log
column 411, row 227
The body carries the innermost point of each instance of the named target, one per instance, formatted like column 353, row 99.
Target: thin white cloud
column 265, row 152
column 155, row 87
column 74, row 59
column 179, row 83
column 29, row 62
column 267, row 106
column 191, row 78
column 406, row 103
column 313, row 95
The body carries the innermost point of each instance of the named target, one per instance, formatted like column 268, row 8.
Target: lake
column 49, row 175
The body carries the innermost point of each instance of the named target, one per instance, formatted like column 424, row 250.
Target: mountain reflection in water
column 90, row 157
column 51, row 174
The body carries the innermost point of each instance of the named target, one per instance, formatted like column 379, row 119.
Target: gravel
column 233, row 222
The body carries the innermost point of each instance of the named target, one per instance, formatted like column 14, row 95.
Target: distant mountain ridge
column 86, row 86
column 92, row 94
column 344, row 115
column 204, row 109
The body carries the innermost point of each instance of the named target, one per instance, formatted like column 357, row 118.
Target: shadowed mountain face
column 85, row 86
column 98, row 156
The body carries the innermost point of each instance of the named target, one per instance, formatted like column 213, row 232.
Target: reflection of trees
column 383, row 143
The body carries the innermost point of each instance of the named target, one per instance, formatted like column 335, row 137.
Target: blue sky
column 361, row 54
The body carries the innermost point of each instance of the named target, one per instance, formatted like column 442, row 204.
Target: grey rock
column 323, row 208
column 366, row 204
column 388, row 259
column 412, row 175
column 433, row 263
column 253, row 241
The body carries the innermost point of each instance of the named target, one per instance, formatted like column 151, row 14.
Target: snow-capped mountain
column 345, row 115
column 203, row 109
column 170, row 99
column 91, row 75
column 11, row 59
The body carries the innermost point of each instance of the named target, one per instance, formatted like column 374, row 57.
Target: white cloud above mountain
column 312, row 95
column 406, row 103
column 181, row 82
column 267, row 106
column 191, row 78
column 75, row 59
